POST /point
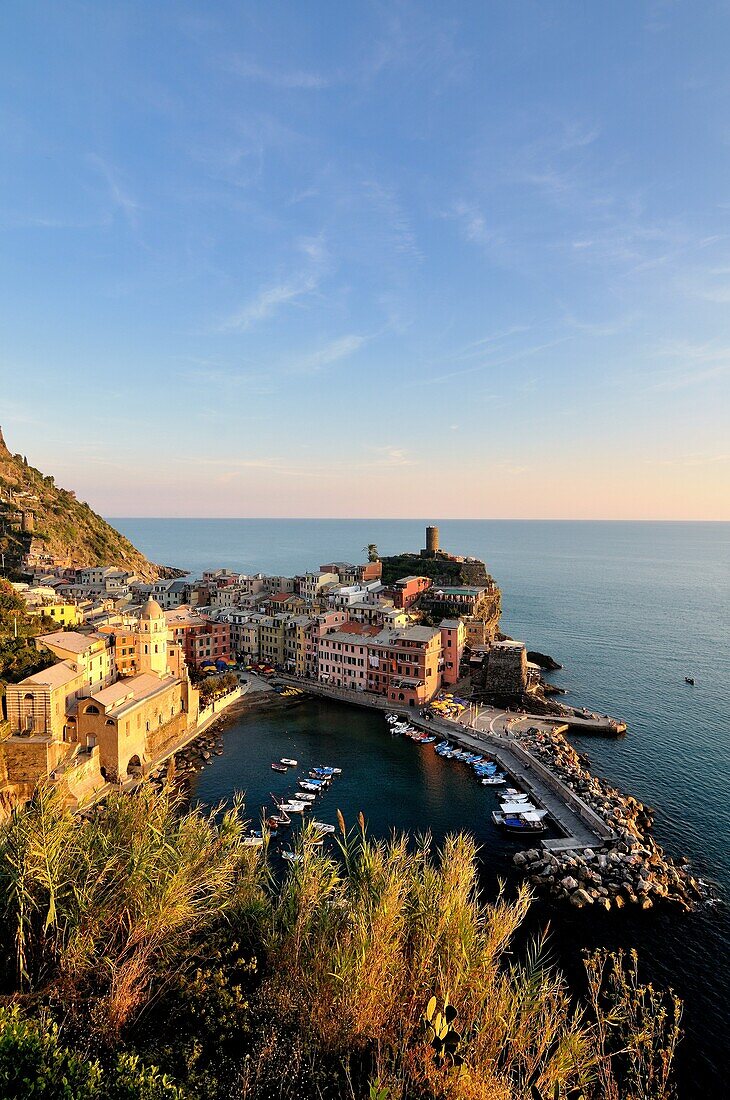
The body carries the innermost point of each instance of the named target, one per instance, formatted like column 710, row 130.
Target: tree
column 372, row 551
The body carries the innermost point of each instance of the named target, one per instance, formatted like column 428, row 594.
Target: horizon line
column 423, row 519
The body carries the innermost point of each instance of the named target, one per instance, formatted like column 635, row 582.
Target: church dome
column 151, row 610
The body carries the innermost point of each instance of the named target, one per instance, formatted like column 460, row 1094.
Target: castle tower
column 432, row 540
column 151, row 639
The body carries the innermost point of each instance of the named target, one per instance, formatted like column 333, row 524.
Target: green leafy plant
column 443, row 1036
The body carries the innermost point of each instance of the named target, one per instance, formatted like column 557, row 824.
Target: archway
column 134, row 765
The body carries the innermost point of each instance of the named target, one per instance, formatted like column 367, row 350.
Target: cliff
column 450, row 573
column 38, row 517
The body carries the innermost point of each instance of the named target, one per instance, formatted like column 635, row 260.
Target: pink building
column 453, row 638
column 343, row 656
column 318, row 626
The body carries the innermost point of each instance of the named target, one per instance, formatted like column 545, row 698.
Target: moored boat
column 323, row 827
column 526, row 822
column 289, row 763
column 278, row 767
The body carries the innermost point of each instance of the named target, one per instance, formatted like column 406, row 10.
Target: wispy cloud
column 690, row 460
column 472, row 222
column 696, row 363
column 392, row 456
column 296, row 79
column 269, row 299
column 116, row 189
column 330, row 353
column 495, row 363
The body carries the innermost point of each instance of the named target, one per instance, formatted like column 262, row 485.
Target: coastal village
column 119, row 695
column 135, row 666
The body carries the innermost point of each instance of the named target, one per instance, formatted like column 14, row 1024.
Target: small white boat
column 292, row 857
column 323, row 827
column 303, row 796
column 494, row 781
column 307, row 785
column 289, row 763
column 519, row 823
column 253, row 841
column 509, row 808
column 293, row 807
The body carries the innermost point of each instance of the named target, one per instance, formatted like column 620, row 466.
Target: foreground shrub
column 34, row 1063
column 155, row 937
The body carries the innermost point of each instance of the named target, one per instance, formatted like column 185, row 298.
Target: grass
column 155, row 933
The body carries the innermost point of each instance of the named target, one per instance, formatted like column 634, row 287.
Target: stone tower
column 151, row 639
column 432, row 540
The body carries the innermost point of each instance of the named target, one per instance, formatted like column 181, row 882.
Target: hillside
column 37, row 516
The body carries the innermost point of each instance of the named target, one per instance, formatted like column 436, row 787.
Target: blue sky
column 378, row 259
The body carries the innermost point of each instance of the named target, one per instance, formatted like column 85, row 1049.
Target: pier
column 581, row 825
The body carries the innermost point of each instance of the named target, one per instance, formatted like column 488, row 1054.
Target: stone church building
column 80, row 723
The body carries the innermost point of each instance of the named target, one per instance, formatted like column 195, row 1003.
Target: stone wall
column 506, row 672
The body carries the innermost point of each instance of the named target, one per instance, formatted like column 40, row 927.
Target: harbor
column 603, row 852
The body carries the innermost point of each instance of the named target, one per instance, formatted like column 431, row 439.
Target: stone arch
column 134, row 765
column 91, row 709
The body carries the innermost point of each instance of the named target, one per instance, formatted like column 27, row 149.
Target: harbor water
column 629, row 609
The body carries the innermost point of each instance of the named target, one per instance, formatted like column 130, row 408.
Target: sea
column 629, row 610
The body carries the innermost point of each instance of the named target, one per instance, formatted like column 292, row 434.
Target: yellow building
column 65, row 614
column 78, row 724
column 134, row 721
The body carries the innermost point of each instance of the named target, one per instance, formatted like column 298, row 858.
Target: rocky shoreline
column 633, row 869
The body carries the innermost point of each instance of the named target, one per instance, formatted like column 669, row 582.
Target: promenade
column 581, row 825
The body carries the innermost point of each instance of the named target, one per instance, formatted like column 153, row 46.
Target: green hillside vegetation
column 146, row 952
column 64, row 526
column 440, row 570
column 18, row 655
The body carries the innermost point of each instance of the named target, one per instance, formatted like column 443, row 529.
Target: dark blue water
column 629, row 609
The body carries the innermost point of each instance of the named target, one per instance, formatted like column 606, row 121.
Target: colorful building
column 453, row 639
column 403, row 665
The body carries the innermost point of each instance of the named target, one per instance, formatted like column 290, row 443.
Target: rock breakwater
column 631, row 869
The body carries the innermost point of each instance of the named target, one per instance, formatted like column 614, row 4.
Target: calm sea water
column 629, row 609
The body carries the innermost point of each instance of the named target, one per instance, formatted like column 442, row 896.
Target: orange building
column 403, row 664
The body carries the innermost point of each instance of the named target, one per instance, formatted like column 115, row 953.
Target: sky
column 383, row 259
